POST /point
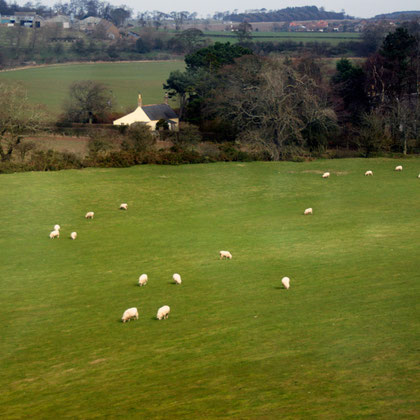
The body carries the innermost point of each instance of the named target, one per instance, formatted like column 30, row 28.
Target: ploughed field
column 340, row 343
column 49, row 85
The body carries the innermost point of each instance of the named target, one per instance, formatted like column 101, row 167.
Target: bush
column 138, row 139
column 188, row 136
column 228, row 153
column 122, row 159
column 23, row 148
column 99, row 143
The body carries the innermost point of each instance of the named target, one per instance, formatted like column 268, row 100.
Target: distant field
column 342, row 343
column 49, row 85
column 333, row 38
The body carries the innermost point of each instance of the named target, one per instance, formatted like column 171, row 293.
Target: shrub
column 23, row 148
column 99, row 143
column 139, row 138
column 53, row 161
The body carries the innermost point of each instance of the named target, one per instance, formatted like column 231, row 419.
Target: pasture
column 328, row 37
column 341, row 343
column 49, row 85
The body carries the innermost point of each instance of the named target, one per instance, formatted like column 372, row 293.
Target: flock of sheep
column 56, row 233
column 163, row 312
column 398, row 168
column 132, row 313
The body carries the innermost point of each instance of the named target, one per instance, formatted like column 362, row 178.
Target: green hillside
column 340, row 343
column 49, row 85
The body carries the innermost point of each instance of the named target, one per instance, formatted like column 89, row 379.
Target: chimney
column 166, row 99
column 140, row 101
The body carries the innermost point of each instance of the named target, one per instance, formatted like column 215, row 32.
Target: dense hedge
column 54, row 161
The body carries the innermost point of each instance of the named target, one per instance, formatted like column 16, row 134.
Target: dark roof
column 159, row 112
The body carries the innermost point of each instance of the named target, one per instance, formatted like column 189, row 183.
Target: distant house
column 151, row 115
column 296, row 27
column 92, row 23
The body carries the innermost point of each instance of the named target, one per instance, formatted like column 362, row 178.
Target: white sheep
column 163, row 312
column 143, row 280
column 89, row 215
column 225, row 254
column 57, row 227
column 418, row 176
column 308, row 211
column 130, row 314
column 326, row 175
column 368, row 173
column 54, row 234
column 177, row 278
column 398, row 168
column 73, row 235
column 285, row 281
column 123, row 206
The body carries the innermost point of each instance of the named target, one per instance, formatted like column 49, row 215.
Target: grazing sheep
column 130, row 314
column 123, row 206
column 163, row 312
column 143, row 280
column 308, row 211
column 73, row 235
column 368, row 173
column 398, row 168
column 418, row 176
column 225, row 254
column 89, row 215
column 177, row 278
column 326, row 175
column 285, row 281
column 57, row 227
column 54, row 234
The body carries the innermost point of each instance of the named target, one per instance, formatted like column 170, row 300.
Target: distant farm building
column 62, row 21
column 93, row 23
column 151, row 115
column 26, row 19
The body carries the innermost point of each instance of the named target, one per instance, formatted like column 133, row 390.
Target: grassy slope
column 341, row 343
column 50, row 85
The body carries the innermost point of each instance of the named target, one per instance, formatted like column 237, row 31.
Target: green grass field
column 342, row 343
column 50, row 85
column 330, row 37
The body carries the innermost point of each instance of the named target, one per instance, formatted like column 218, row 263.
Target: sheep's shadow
column 279, row 288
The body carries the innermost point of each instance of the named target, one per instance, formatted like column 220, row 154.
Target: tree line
column 288, row 107
column 284, row 15
column 274, row 107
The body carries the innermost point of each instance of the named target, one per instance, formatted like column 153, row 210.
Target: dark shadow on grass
column 279, row 288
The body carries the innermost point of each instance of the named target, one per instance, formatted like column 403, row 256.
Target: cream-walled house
column 150, row 115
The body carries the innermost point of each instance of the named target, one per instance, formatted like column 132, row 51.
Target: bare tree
column 17, row 118
column 272, row 106
column 88, row 101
